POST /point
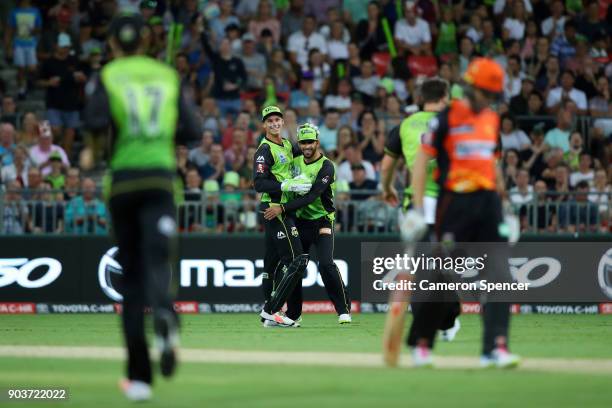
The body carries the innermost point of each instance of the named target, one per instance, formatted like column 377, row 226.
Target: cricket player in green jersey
column 284, row 260
column 140, row 100
column 315, row 215
column 405, row 141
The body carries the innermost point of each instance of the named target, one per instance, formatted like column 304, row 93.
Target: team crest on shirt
column 325, row 179
column 261, row 168
column 282, row 158
column 294, row 231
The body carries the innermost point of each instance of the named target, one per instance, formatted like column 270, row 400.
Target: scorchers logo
column 20, row 271
column 604, row 273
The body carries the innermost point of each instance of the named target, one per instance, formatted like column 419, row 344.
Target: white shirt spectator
column 366, row 85
column 516, row 28
column 415, row 35
column 301, row 46
column 474, row 35
column 602, row 200
column 515, row 140
column 520, row 198
column 499, row 6
column 345, row 172
column 548, row 26
column 576, row 95
column 341, row 103
column 512, row 86
column 40, row 157
column 576, row 177
column 337, row 50
column 325, row 31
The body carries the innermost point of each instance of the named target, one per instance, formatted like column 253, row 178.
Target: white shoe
column 344, row 318
column 449, row 334
column 135, row 390
column 277, row 317
column 500, row 358
column 422, row 357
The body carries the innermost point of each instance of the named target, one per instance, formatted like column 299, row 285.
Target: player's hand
column 273, row 212
column 390, row 196
column 412, row 225
column 54, row 81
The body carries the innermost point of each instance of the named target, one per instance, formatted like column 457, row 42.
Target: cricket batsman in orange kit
column 464, row 139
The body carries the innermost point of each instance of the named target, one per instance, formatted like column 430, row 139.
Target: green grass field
column 92, row 382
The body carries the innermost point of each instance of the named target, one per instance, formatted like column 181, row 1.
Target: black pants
column 469, row 217
column 310, row 235
column 282, row 246
column 144, row 226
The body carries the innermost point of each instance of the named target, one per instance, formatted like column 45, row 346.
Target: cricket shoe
column 137, row 391
column 166, row 341
column 345, row 318
column 449, row 334
column 422, row 357
column 278, row 318
column 271, row 323
column 500, row 358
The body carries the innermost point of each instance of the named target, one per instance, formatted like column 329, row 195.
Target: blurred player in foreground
column 284, row 260
column 140, row 99
column 405, row 141
column 465, row 140
column 315, row 215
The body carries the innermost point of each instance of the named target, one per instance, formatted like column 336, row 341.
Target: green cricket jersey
column 405, row 140
column 143, row 96
column 273, row 164
column 319, row 201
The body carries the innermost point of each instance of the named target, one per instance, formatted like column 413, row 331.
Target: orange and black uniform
column 466, row 145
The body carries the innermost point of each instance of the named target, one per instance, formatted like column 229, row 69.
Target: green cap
column 55, row 156
column 231, row 178
column 387, row 84
column 307, row 132
column 270, row 110
column 211, row 186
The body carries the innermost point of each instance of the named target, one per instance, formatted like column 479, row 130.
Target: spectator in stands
column 294, row 17
column 320, row 70
column 601, row 194
column 242, row 122
column 200, row 155
column 72, row 184
column 18, row 169
column 528, row 47
column 320, row 8
column 346, row 137
column 46, row 215
column 9, row 110
column 579, row 214
column 489, row 45
column 392, row 114
column 337, row 43
column 231, row 200
column 466, row 53
column 559, row 136
column 24, row 25
column 522, row 193
column 41, row 152
column 543, row 217
column 533, row 157
column 536, row 64
column 566, row 91
column 63, row 78
column 236, row 155
column 514, row 27
column 369, row 33
column 572, row 156
column 300, row 98
column 370, row 137
column 85, row 214
column 591, row 24
column 361, row 187
column 214, row 212
column 548, row 77
column 536, row 115
column 412, row 32
column 7, row 143
column 254, row 63
column 280, row 70
column 216, row 166
column 446, row 44
column 210, row 116
column 313, row 114
column 561, row 187
column 584, row 173
column 248, row 9
column 341, row 98
column 600, row 106
column 519, row 103
column 223, row 20
column 510, row 167
column 28, row 135
column 265, row 20
column 564, row 46
column 353, row 156
column 511, row 136
column 56, row 176
column 230, row 76
column 553, row 25
column 14, row 211
column 289, row 131
column 328, row 133
column 246, row 171
column 367, row 82
column 183, row 164
column 302, row 41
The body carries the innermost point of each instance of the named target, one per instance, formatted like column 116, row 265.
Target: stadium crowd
column 351, row 67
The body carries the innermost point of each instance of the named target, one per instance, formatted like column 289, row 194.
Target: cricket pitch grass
column 229, row 360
